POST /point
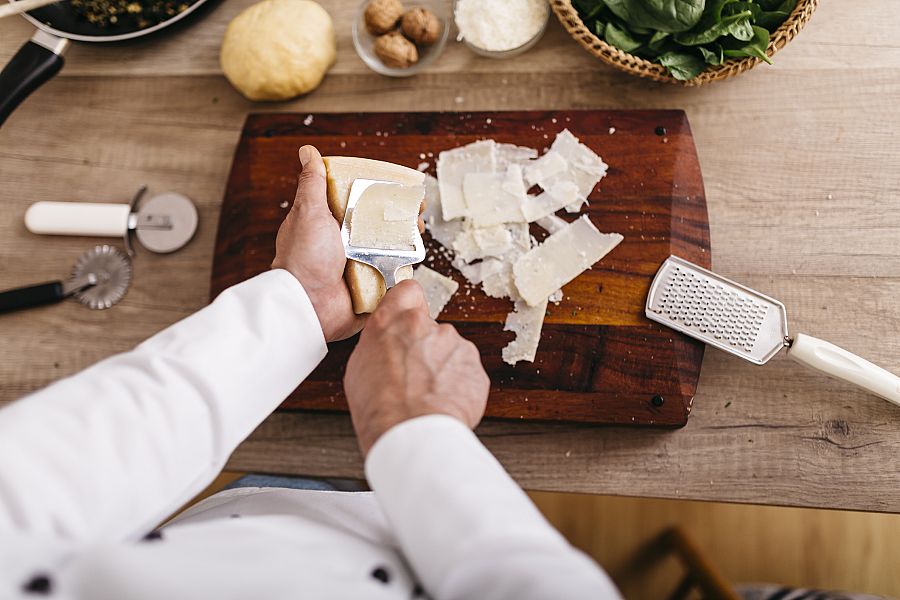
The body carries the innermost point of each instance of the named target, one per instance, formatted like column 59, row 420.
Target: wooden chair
column 700, row 573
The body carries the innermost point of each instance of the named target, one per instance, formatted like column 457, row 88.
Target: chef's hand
column 406, row 365
column 309, row 247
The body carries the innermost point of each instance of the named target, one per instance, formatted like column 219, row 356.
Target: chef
column 92, row 464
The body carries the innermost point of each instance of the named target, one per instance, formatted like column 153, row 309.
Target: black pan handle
column 34, row 64
column 32, row 295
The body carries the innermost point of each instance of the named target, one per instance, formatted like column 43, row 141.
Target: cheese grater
column 386, row 261
column 751, row 325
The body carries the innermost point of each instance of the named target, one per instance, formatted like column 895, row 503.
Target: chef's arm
column 109, row 452
column 465, row 526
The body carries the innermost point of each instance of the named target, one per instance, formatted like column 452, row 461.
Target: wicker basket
column 635, row 65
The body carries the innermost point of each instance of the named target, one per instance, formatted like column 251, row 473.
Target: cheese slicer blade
column 751, row 325
column 386, row 261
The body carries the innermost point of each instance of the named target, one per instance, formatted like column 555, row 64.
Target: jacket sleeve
column 109, row 452
column 467, row 528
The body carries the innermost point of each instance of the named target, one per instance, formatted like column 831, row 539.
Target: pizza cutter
column 99, row 279
column 163, row 223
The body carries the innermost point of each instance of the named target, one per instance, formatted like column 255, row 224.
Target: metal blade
column 386, row 261
column 717, row 311
column 111, row 271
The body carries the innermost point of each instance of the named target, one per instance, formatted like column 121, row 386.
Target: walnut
column 396, row 51
column 421, row 26
column 382, row 15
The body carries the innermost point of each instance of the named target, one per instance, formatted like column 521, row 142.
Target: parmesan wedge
column 365, row 283
column 438, row 289
column 561, row 258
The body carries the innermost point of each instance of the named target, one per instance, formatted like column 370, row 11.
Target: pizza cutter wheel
column 99, row 279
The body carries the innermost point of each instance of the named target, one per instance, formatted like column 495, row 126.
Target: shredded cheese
column 499, row 25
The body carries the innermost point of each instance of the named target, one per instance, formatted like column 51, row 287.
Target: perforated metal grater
column 753, row 326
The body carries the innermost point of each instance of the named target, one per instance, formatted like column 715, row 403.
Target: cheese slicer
column 386, row 261
column 748, row 324
column 163, row 223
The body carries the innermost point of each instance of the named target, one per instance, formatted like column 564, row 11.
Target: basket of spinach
column 686, row 37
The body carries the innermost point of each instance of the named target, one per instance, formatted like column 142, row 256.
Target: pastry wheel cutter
column 386, row 261
column 743, row 322
column 163, row 223
column 99, row 279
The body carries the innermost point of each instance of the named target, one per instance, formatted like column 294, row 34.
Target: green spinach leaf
column 737, row 25
column 712, row 55
column 682, row 65
column 621, row 38
column 670, row 16
column 756, row 47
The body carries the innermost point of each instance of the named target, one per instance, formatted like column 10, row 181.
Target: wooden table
column 801, row 168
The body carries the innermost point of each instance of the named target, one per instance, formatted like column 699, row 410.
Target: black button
column 39, row 584
column 153, row 535
column 660, row 131
column 418, row 591
column 381, row 574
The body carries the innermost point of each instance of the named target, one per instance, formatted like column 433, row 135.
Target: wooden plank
column 840, row 36
column 814, row 132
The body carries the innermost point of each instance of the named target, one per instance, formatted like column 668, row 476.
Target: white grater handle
column 77, row 218
column 837, row 362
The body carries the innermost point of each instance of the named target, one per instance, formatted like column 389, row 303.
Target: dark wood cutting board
column 600, row 360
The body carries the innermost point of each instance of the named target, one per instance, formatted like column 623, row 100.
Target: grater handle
column 837, row 362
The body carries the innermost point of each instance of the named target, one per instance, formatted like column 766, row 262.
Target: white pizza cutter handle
column 78, row 218
column 837, row 362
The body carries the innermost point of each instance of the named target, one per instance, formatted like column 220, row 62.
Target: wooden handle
column 15, row 8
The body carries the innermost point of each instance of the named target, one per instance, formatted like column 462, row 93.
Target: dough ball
column 278, row 49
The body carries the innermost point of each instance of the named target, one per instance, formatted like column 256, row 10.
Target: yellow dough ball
column 278, row 49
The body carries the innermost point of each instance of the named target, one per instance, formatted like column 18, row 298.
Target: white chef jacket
column 92, row 463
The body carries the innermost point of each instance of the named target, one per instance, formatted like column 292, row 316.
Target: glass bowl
column 511, row 51
column 364, row 41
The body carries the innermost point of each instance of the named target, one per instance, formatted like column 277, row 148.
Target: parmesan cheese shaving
column 438, row 289
column 552, row 223
column 485, row 224
column 452, row 167
column 526, row 322
column 560, row 195
column 370, row 225
column 495, row 198
column 561, row 258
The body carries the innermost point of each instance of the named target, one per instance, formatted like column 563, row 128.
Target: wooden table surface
column 802, row 175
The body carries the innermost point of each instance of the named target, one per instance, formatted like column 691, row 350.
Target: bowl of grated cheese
column 500, row 28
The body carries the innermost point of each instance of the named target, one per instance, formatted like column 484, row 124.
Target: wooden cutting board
column 600, row 360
